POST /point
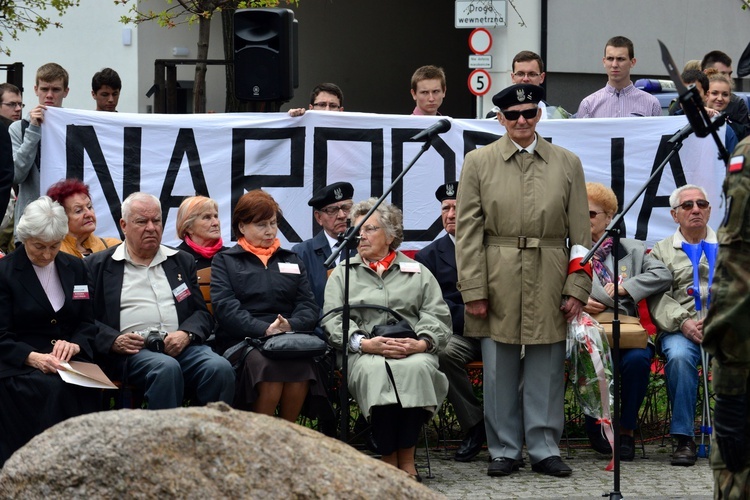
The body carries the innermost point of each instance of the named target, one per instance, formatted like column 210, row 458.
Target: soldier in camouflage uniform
column 727, row 335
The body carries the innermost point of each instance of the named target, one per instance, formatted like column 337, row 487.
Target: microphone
column 442, row 125
column 682, row 134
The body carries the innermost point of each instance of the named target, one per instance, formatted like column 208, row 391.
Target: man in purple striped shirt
column 619, row 98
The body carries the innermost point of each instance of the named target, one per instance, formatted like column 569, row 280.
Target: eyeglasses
column 688, row 205
column 14, row 104
column 515, row 115
column 368, row 230
column 326, row 105
column 521, row 74
column 593, row 214
column 334, row 210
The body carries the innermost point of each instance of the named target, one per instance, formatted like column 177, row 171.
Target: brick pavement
column 648, row 478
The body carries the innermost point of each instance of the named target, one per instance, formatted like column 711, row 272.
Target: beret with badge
column 447, row 191
column 522, row 93
column 332, row 193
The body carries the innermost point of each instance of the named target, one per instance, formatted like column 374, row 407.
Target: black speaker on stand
column 265, row 47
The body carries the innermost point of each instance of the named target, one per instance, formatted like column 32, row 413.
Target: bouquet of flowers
column 591, row 371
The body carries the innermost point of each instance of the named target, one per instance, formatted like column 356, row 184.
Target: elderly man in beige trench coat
column 521, row 233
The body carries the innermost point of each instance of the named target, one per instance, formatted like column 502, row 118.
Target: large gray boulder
column 208, row 453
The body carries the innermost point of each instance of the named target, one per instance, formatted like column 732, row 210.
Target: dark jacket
column 247, row 296
column 6, row 167
column 28, row 322
column 106, row 275
column 440, row 258
column 313, row 253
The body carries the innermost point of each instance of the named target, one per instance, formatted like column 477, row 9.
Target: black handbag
column 395, row 328
column 290, row 345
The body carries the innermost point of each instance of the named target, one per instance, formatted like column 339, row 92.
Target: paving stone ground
column 652, row 477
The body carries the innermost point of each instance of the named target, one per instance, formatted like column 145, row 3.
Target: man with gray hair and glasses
column 675, row 315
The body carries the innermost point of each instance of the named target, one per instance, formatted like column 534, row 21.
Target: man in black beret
column 440, row 258
column 522, row 229
column 331, row 206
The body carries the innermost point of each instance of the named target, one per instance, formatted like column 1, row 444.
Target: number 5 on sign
column 479, row 82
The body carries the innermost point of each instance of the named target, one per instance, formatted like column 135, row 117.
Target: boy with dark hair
column 11, row 103
column 619, row 98
column 324, row 97
column 105, row 89
column 428, row 90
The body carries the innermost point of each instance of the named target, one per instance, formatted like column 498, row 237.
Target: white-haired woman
column 396, row 382
column 46, row 318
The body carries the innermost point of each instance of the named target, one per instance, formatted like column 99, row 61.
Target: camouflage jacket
column 727, row 326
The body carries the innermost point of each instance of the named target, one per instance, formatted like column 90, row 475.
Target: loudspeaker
column 264, row 54
column 15, row 75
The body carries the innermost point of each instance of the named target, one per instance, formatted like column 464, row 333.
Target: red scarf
column 264, row 254
column 383, row 264
column 206, row 252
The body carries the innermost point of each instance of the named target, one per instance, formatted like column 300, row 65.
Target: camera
column 153, row 338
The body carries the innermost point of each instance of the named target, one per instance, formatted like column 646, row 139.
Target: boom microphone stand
column 702, row 125
column 347, row 242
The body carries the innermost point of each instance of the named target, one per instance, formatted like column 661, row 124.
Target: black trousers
column 396, row 428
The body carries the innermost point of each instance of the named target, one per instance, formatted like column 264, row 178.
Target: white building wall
column 91, row 39
column 578, row 30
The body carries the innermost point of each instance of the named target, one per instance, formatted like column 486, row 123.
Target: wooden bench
column 204, row 281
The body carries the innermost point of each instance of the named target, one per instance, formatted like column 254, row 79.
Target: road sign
column 480, row 62
column 480, row 41
column 473, row 13
column 479, row 82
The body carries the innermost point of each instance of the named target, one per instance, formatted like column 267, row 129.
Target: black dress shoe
column 502, row 466
column 552, row 466
column 627, row 448
column 472, row 443
column 597, row 441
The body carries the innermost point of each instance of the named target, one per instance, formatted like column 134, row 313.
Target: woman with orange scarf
column 260, row 289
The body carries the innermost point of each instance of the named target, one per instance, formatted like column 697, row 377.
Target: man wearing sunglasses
column 674, row 314
column 331, row 206
column 522, row 230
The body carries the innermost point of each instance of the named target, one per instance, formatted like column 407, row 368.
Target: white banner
column 225, row 155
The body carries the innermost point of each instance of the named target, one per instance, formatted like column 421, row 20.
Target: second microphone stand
column 613, row 230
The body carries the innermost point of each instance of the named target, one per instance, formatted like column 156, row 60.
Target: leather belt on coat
column 523, row 242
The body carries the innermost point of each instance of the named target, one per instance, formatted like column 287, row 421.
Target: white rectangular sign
column 225, row 155
column 481, row 13
column 484, row 62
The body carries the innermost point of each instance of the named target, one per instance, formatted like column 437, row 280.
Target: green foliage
column 189, row 11
column 29, row 15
